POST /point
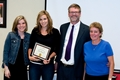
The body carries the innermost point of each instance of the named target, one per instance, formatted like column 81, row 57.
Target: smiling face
column 44, row 21
column 21, row 26
column 74, row 15
column 95, row 33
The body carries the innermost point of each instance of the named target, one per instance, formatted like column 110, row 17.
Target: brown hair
column 98, row 26
column 75, row 6
column 50, row 23
column 15, row 23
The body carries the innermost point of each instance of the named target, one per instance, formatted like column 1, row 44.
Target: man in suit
column 73, row 67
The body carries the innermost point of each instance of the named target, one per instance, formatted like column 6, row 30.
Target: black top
column 51, row 40
column 20, row 57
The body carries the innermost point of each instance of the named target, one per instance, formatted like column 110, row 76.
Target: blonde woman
column 45, row 34
column 15, row 58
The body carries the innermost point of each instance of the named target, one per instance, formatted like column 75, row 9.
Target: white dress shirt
column 75, row 33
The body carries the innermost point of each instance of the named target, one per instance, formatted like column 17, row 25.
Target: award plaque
column 41, row 51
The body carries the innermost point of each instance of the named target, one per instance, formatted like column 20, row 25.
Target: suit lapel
column 64, row 31
column 81, row 30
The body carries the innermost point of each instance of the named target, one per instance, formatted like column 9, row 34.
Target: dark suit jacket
column 83, row 36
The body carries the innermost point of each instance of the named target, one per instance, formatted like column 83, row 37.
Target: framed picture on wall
column 3, row 6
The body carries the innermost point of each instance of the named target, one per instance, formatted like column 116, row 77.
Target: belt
column 66, row 65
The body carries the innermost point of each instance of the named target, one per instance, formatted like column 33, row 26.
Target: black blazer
column 83, row 36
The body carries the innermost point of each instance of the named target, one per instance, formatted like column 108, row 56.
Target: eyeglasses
column 76, row 12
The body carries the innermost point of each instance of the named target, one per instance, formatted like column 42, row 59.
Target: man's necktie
column 69, row 45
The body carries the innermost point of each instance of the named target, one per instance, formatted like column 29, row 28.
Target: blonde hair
column 50, row 22
column 16, row 21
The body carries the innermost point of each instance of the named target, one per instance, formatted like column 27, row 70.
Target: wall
column 28, row 8
column 107, row 12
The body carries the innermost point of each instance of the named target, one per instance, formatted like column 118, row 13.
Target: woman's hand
column 7, row 72
column 46, row 61
column 34, row 58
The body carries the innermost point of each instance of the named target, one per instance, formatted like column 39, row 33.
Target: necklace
column 94, row 46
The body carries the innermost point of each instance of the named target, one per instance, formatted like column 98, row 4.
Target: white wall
column 107, row 12
column 28, row 8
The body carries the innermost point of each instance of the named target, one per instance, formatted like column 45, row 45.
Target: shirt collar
column 77, row 25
